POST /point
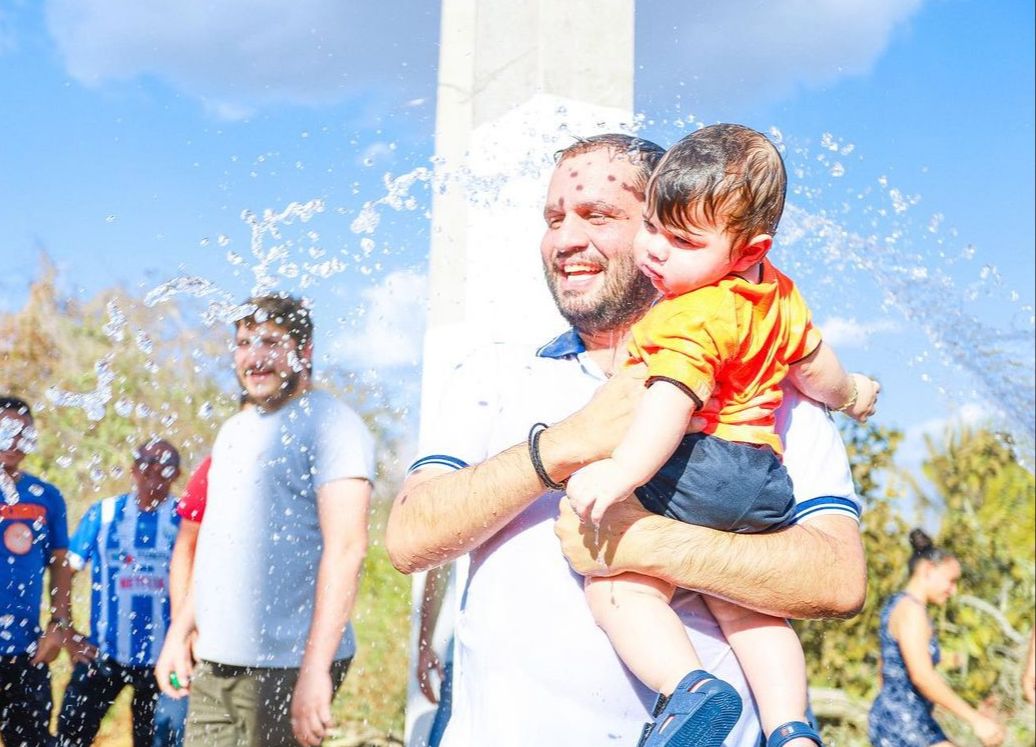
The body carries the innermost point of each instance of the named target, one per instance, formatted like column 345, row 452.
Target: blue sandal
column 702, row 718
column 792, row 730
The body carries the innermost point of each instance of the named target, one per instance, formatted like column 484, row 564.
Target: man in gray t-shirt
column 279, row 551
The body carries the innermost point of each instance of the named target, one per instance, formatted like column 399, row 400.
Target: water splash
column 269, row 226
column 192, row 286
column 222, row 309
column 10, row 429
column 116, row 325
column 397, row 197
column 8, row 489
column 92, row 403
column 144, row 342
column 998, row 361
column 13, row 430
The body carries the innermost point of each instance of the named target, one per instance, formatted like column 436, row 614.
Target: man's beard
column 289, row 386
column 626, row 295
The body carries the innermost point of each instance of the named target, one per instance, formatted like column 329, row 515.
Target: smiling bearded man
column 279, row 553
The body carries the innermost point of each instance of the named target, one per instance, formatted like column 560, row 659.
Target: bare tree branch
column 983, row 606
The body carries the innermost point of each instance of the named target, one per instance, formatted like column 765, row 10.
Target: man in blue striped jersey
column 128, row 541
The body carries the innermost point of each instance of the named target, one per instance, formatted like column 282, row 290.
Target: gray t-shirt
column 259, row 546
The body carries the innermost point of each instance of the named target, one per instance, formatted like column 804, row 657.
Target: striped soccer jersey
column 129, row 552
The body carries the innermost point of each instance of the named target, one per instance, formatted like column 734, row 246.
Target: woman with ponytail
column 902, row 713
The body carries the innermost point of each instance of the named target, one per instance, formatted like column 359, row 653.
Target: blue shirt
column 129, row 552
column 32, row 527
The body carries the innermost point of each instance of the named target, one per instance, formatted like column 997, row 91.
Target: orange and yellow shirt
column 734, row 341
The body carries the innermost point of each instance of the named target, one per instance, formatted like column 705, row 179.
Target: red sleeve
column 192, row 506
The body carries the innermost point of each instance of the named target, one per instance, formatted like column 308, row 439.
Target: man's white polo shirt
column 531, row 666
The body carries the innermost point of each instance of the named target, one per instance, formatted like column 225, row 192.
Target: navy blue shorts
column 723, row 485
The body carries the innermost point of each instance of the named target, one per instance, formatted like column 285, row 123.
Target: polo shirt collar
column 564, row 345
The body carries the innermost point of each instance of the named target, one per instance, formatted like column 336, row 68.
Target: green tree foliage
column 988, row 507
column 104, row 376
column 986, row 502
column 843, row 654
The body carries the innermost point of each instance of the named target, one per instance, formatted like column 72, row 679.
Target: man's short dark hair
column 287, row 312
column 643, row 153
column 19, row 405
column 162, row 444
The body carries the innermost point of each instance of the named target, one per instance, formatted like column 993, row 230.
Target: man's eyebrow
column 599, row 206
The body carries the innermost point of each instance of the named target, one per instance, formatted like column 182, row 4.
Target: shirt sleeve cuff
column 439, row 460
column 828, row 505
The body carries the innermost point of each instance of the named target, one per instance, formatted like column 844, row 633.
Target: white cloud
column 912, row 450
column 388, row 327
column 703, row 56
column 236, row 55
column 842, row 333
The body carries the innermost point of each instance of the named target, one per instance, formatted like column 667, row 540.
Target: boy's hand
column 866, row 403
column 615, row 546
column 596, row 487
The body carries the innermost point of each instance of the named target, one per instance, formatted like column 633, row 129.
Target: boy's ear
column 753, row 252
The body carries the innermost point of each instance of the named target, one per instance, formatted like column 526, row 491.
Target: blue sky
column 135, row 138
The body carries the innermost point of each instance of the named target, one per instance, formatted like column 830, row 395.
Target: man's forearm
column 60, row 586
column 811, row 570
column 433, row 594
column 184, row 621
column 182, row 563
column 338, row 579
column 437, row 518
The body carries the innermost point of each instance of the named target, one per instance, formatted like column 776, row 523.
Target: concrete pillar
column 516, row 81
column 502, row 59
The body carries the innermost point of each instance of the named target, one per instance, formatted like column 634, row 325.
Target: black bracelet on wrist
column 534, row 454
column 61, row 623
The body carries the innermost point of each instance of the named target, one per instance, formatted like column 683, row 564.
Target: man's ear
column 753, row 252
column 306, row 355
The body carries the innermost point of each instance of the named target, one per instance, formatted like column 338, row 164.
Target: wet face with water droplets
column 592, row 212
column 269, row 364
column 155, row 466
column 17, row 438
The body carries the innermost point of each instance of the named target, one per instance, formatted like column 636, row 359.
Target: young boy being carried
column 729, row 328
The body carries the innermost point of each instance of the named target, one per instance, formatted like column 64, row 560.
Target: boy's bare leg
column 644, row 630
column 770, row 654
